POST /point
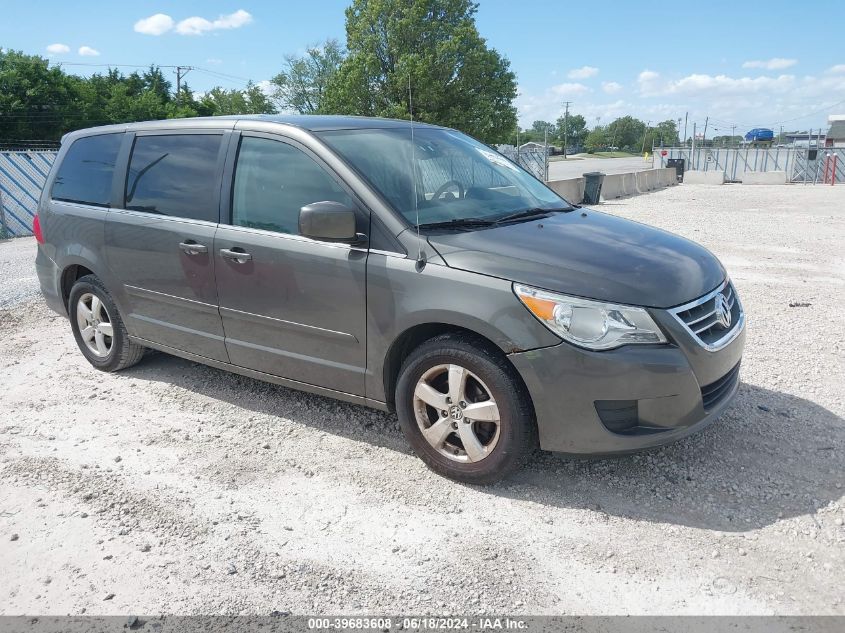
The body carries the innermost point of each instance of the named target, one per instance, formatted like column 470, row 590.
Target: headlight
column 591, row 324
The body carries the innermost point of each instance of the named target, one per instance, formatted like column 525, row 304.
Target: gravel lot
column 177, row 488
column 18, row 282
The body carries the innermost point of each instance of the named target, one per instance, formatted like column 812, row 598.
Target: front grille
column 702, row 317
column 715, row 392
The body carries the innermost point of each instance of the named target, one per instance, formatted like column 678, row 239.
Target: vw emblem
column 455, row 412
column 723, row 311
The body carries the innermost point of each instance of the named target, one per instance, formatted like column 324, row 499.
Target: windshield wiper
column 529, row 213
column 458, row 223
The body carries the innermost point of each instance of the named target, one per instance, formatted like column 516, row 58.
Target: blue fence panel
column 22, row 177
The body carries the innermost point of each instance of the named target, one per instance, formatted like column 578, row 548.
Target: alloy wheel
column 456, row 413
column 95, row 325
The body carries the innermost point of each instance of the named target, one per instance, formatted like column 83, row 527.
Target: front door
column 291, row 306
column 159, row 244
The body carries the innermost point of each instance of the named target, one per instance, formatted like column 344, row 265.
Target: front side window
column 174, row 175
column 273, row 181
column 440, row 175
column 85, row 175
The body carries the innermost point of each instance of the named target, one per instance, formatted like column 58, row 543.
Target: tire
column 103, row 338
column 429, row 372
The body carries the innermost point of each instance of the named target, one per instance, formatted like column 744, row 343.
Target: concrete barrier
column 764, row 178
column 571, row 190
column 617, row 185
column 646, row 181
column 698, row 177
column 667, row 176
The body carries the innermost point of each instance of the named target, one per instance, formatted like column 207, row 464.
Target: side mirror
column 328, row 222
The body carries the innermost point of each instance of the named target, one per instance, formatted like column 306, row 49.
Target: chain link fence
column 22, row 177
column 534, row 160
column 800, row 164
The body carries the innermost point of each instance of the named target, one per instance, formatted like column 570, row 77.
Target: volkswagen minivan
column 400, row 266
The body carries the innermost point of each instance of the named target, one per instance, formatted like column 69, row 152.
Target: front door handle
column 192, row 248
column 236, row 254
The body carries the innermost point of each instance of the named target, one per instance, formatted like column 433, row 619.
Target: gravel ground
column 177, row 488
column 18, row 282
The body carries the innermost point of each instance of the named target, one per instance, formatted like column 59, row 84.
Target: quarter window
column 174, row 175
column 273, row 181
column 85, row 175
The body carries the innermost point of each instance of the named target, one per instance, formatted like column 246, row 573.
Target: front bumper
column 664, row 381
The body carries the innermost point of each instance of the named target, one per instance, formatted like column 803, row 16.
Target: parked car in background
column 395, row 265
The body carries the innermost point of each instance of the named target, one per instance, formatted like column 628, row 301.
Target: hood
column 588, row 254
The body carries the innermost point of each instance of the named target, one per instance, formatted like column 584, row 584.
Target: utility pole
column 686, row 119
column 704, row 138
column 645, row 133
column 733, row 133
column 565, row 126
column 692, row 148
column 181, row 71
column 679, row 126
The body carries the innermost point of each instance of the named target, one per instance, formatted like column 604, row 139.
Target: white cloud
column 712, row 86
column 268, row 88
column 58, row 49
column 214, row 61
column 746, row 101
column 585, row 72
column 611, row 87
column 775, row 63
column 647, row 76
column 570, row 89
column 157, row 24
column 87, row 51
column 197, row 26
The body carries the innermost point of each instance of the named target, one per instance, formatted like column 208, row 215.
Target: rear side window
column 174, row 175
column 85, row 175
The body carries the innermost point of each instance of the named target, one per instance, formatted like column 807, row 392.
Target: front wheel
column 464, row 410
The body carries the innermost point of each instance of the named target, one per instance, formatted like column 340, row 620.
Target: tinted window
column 174, row 175
column 85, row 174
column 452, row 175
column 273, row 181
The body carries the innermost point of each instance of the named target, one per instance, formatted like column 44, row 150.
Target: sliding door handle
column 192, row 248
column 237, row 255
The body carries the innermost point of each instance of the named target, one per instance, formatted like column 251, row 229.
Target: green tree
column 575, row 127
column 301, row 86
column 37, row 102
column 626, row 133
column 252, row 100
column 596, row 139
column 666, row 134
column 456, row 79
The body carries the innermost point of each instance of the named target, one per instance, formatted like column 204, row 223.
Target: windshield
column 453, row 176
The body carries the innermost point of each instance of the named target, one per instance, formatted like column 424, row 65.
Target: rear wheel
column 98, row 328
column 464, row 410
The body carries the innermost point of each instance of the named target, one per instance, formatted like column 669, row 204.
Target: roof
column 309, row 122
column 324, row 122
column 837, row 131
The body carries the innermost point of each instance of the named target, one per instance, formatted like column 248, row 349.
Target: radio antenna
column 420, row 258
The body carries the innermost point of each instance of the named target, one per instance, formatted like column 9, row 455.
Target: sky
column 734, row 65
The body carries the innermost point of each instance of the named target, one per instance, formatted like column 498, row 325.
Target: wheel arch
column 416, row 335
column 70, row 274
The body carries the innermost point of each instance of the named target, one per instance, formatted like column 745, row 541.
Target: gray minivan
column 400, row 266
